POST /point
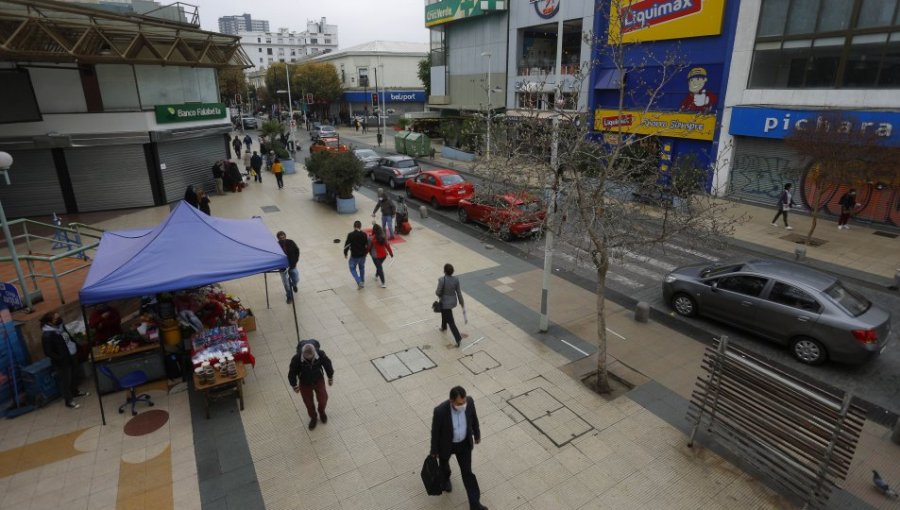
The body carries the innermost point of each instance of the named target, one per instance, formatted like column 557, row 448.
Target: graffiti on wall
column 761, row 178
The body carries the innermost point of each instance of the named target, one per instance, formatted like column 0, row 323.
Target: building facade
column 670, row 73
column 242, row 23
column 95, row 127
column 796, row 64
column 396, row 65
column 284, row 45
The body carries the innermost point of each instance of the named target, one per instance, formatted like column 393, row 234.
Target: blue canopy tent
column 189, row 249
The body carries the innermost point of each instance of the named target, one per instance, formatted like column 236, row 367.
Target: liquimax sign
column 446, row 11
column 694, row 126
column 171, row 113
column 633, row 21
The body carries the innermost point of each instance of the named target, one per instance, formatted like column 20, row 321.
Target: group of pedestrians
column 197, row 198
column 847, row 203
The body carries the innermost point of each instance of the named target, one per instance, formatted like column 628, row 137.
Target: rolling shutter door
column 760, row 169
column 35, row 189
column 189, row 162
column 109, row 177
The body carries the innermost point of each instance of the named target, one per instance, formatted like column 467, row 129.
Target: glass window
column 876, row 13
column 802, row 19
column 772, row 17
column 821, row 70
column 452, row 179
column 743, row 284
column 834, row 16
column 863, row 61
column 849, row 300
column 795, row 298
column 890, row 66
column 117, row 87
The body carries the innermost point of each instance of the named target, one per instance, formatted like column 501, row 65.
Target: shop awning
column 188, row 249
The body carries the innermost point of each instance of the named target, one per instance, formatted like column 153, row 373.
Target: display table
column 146, row 358
column 98, row 356
column 222, row 386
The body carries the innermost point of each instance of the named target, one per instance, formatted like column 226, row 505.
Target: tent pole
column 296, row 322
column 87, row 333
column 266, row 283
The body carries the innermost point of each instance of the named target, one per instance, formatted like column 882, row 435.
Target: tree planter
column 288, row 165
column 320, row 191
column 346, row 205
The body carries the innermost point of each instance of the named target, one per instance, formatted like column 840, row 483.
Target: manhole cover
column 550, row 416
column 885, row 234
column 801, row 239
column 270, row 208
column 479, row 362
column 403, row 363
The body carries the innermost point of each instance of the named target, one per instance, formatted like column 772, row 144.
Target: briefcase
column 431, row 476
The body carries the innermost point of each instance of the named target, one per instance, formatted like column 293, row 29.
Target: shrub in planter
column 341, row 172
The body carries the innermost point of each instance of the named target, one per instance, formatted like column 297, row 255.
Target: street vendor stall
column 188, row 250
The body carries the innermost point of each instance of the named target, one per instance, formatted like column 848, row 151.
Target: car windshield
column 452, row 179
column 365, row 154
column 406, row 163
column 529, row 207
column 326, row 128
column 849, row 300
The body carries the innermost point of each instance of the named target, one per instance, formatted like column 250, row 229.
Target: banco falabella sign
column 171, row 113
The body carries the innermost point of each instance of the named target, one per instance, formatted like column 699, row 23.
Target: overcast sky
column 358, row 21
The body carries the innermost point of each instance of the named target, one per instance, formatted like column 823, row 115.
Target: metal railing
column 74, row 247
column 800, row 436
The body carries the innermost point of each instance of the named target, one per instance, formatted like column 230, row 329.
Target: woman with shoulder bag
column 449, row 293
column 380, row 250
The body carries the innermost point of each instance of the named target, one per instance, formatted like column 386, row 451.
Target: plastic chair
column 130, row 382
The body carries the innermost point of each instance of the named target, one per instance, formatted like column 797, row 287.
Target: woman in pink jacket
column 381, row 248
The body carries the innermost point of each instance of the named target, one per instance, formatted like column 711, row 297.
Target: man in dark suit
column 455, row 431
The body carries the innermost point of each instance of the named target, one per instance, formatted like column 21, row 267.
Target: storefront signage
column 546, row 8
column 658, row 20
column 9, row 294
column 390, row 96
column 694, row 126
column 779, row 123
column 169, row 113
column 446, row 11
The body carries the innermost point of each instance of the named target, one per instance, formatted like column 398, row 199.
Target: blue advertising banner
column 390, row 96
column 779, row 123
column 9, row 294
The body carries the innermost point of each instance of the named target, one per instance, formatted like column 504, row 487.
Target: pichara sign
column 779, row 123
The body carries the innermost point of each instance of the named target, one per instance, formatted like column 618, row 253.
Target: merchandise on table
column 211, row 306
column 140, row 332
column 216, row 344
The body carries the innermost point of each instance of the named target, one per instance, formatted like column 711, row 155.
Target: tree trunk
column 601, row 263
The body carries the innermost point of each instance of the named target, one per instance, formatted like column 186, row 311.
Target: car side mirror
column 714, row 285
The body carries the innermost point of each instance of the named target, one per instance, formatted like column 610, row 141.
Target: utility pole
column 287, row 75
column 490, row 92
column 378, row 110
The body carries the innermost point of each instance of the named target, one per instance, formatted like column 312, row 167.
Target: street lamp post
column 383, row 104
column 6, row 162
column 287, row 76
column 379, row 110
column 487, row 150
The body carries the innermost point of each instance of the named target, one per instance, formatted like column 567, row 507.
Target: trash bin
column 40, row 382
column 417, row 145
column 399, row 141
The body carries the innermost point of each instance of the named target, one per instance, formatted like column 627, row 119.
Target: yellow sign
column 695, row 126
column 633, row 21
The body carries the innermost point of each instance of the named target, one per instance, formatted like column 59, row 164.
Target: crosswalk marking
column 691, row 252
column 610, row 275
column 665, row 266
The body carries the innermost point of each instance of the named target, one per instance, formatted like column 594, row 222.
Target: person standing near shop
column 357, row 245
column 203, row 202
column 785, row 202
column 218, row 171
column 307, row 376
column 60, row 348
column 290, row 276
column 278, row 170
column 387, row 212
column 256, row 166
column 455, row 431
column 236, row 145
column 848, row 204
column 449, row 293
column 190, row 196
column 248, row 142
column 381, row 248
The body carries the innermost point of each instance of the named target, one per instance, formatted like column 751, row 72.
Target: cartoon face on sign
column 546, row 8
column 698, row 98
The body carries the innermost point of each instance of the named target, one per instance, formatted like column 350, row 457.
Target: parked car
column 249, row 122
column 321, row 130
column 812, row 312
column 511, row 214
column 395, row 170
column 329, row 144
column 440, row 187
column 369, row 158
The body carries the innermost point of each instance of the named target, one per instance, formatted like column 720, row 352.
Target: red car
column 511, row 215
column 440, row 187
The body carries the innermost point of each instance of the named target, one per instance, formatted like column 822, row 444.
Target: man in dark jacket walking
column 848, row 204
column 357, row 244
column 256, row 165
column 449, row 294
column 237, row 145
column 387, row 212
column 455, row 431
column 60, row 348
column 307, row 378
column 289, row 276
column 785, row 203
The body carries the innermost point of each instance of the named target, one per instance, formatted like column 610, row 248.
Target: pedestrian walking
column 236, row 145
column 356, row 124
column 290, row 276
column 357, row 245
column 59, row 346
column 190, row 196
column 278, row 170
column 455, row 431
column 848, row 204
column 218, row 171
column 387, row 212
column 365, row 126
column 449, row 293
column 256, row 167
column 203, row 202
column 380, row 249
column 785, row 202
column 248, row 142
column 307, row 376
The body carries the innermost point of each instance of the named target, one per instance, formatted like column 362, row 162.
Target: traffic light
column 309, row 99
column 374, row 99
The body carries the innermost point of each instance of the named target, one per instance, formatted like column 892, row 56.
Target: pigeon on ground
column 882, row 486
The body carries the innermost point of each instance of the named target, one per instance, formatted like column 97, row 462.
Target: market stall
column 189, row 250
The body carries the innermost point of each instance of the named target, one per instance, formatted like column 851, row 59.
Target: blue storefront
column 397, row 102
column 674, row 73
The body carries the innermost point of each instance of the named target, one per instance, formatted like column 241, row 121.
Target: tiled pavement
column 369, row 454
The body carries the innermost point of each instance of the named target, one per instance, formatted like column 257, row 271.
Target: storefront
column 670, row 77
column 396, row 102
column 762, row 162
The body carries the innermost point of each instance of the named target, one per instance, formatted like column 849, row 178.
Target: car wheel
column 392, row 183
column 409, row 193
column 809, row 350
column 463, row 215
column 434, row 203
column 372, row 175
column 684, row 305
column 505, row 233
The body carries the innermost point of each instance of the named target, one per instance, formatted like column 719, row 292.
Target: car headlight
column 670, row 278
